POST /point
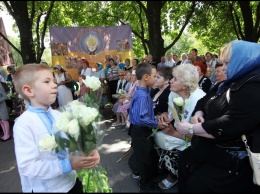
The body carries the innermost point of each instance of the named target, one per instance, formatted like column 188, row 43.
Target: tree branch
column 192, row 10
column 233, row 21
column 6, row 39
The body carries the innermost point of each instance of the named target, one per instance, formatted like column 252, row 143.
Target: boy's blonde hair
column 27, row 75
column 188, row 75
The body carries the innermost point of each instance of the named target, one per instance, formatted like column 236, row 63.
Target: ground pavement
column 115, row 143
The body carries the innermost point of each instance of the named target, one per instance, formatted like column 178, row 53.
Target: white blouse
column 86, row 72
column 60, row 78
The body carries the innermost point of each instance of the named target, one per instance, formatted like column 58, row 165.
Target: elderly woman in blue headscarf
column 101, row 75
column 217, row 160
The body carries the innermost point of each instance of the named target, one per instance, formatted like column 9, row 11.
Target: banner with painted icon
column 71, row 45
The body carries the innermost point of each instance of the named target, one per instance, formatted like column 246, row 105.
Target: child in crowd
column 142, row 121
column 43, row 171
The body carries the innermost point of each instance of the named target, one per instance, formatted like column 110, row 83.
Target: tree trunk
column 251, row 32
column 156, row 42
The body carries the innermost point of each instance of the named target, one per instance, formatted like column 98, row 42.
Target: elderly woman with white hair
column 184, row 59
column 184, row 84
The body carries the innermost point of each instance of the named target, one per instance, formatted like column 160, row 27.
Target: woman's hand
column 182, row 127
column 170, row 130
column 197, row 119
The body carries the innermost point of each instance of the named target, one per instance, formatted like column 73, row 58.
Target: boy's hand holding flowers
column 85, row 161
column 163, row 117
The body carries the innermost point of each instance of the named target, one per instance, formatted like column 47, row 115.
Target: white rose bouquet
column 85, row 131
column 83, row 125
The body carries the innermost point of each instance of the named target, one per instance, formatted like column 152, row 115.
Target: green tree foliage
column 216, row 23
column 157, row 26
column 31, row 19
column 17, row 57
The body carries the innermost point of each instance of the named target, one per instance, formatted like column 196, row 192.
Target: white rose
column 77, row 110
column 178, row 101
column 73, row 129
column 73, row 103
column 88, row 115
column 92, row 82
column 63, row 120
column 47, row 143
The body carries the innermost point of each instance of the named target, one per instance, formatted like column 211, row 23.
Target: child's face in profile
column 43, row 90
column 151, row 78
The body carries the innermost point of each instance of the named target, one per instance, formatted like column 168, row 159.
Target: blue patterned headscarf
column 244, row 61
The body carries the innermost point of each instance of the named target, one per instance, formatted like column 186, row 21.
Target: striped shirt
column 113, row 71
column 141, row 109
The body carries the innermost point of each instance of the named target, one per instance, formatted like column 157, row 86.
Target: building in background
column 6, row 56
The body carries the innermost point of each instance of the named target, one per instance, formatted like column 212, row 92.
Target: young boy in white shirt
column 42, row 171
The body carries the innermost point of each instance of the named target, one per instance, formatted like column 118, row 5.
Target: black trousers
column 112, row 87
column 146, row 155
column 214, row 177
column 77, row 188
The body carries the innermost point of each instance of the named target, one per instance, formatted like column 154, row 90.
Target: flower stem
column 88, row 180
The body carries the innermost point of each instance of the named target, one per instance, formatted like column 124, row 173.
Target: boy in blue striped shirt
column 142, row 121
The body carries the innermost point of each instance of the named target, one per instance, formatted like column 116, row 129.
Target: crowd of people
column 142, row 94
column 215, row 158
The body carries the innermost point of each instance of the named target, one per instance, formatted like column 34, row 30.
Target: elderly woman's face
column 220, row 73
column 176, row 85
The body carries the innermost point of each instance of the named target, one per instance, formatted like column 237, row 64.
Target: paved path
column 115, row 144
